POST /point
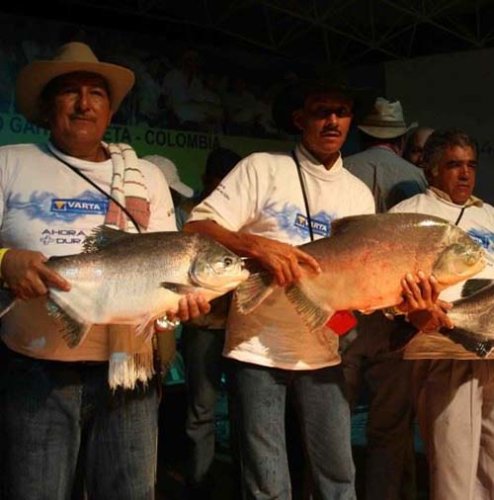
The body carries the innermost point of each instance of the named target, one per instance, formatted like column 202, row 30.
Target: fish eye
column 228, row 261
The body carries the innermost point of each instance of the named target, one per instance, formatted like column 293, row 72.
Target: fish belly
column 88, row 305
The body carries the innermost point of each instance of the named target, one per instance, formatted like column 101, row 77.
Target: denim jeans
column 204, row 366
column 324, row 416
column 58, row 417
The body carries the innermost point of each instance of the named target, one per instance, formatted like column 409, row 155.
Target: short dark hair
column 439, row 141
column 293, row 96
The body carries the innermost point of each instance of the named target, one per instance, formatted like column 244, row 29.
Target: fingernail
column 421, row 274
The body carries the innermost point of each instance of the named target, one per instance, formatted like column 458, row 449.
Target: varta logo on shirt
column 79, row 206
column 318, row 227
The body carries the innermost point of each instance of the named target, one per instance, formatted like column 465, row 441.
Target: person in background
column 93, row 408
column 380, row 165
column 202, row 347
column 191, row 104
column 241, row 106
column 453, row 388
column 180, row 191
column 367, row 359
column 414, row 146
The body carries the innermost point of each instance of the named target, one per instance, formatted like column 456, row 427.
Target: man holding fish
column 266, row 206
column 453, row 385
column 93, row 407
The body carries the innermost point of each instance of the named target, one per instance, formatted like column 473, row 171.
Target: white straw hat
column 385, row 121
column 71, row 57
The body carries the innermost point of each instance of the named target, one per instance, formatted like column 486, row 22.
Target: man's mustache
column 79, row 116
column 331, row 129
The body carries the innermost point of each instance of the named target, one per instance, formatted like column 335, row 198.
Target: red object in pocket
column 342, row 322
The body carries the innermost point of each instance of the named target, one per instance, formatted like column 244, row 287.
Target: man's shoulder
column 487, row 208
column 410, row 204
column 270, row 156
column 22, row 148
column 356, row 184
column 22, row 153
column 265, row 161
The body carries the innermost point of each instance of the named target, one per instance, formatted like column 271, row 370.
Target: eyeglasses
column 322, row 112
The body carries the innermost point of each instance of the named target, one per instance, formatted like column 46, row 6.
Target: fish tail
column 7, row 301
column 471, row 341
column 252, row 292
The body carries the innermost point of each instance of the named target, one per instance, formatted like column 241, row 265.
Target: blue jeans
column 324, row 416
column 59, row 416
column 204, row 366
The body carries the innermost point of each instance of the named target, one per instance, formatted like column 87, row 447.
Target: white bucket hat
column 71, row 57
column 385, row 121
column 170, row 172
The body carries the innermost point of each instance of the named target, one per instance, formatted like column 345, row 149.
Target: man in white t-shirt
column 453, row 388
column 94, row 406
column 258, row 210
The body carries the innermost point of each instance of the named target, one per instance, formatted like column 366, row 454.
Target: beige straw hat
column 385, row 121
column 70, row 58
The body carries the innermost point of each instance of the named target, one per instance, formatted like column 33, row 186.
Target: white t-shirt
column 44, row 206
column 263, row 196
column 478, row 221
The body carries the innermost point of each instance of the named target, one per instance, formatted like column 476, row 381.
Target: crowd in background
column 180, row 89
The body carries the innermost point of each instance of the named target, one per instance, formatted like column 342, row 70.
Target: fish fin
column 73, row 331
column 143, row 325
column 101, row 237
column 313, row 316
column 473, row 342
column 252, row 292
column 366, row 311
column 179, row 288
column 474, row 285
column 7, row 301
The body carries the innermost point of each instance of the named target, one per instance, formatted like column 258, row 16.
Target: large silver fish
column 133, row 279
column 364, row 261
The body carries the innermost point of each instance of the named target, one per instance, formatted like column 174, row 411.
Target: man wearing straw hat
column 381, row 166
column 94, row 407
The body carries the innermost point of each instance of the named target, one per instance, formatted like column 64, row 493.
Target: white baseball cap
column 170, row 171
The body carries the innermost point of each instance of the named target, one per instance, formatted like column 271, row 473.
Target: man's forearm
column 245, row 245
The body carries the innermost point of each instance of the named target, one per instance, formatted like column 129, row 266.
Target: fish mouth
column 222, row 286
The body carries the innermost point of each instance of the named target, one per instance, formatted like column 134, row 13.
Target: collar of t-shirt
column 314, row 167
column 472, row 201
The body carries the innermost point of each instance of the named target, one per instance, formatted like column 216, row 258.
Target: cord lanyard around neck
column 460, row 216
column 304, row 193
column 95, row 186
